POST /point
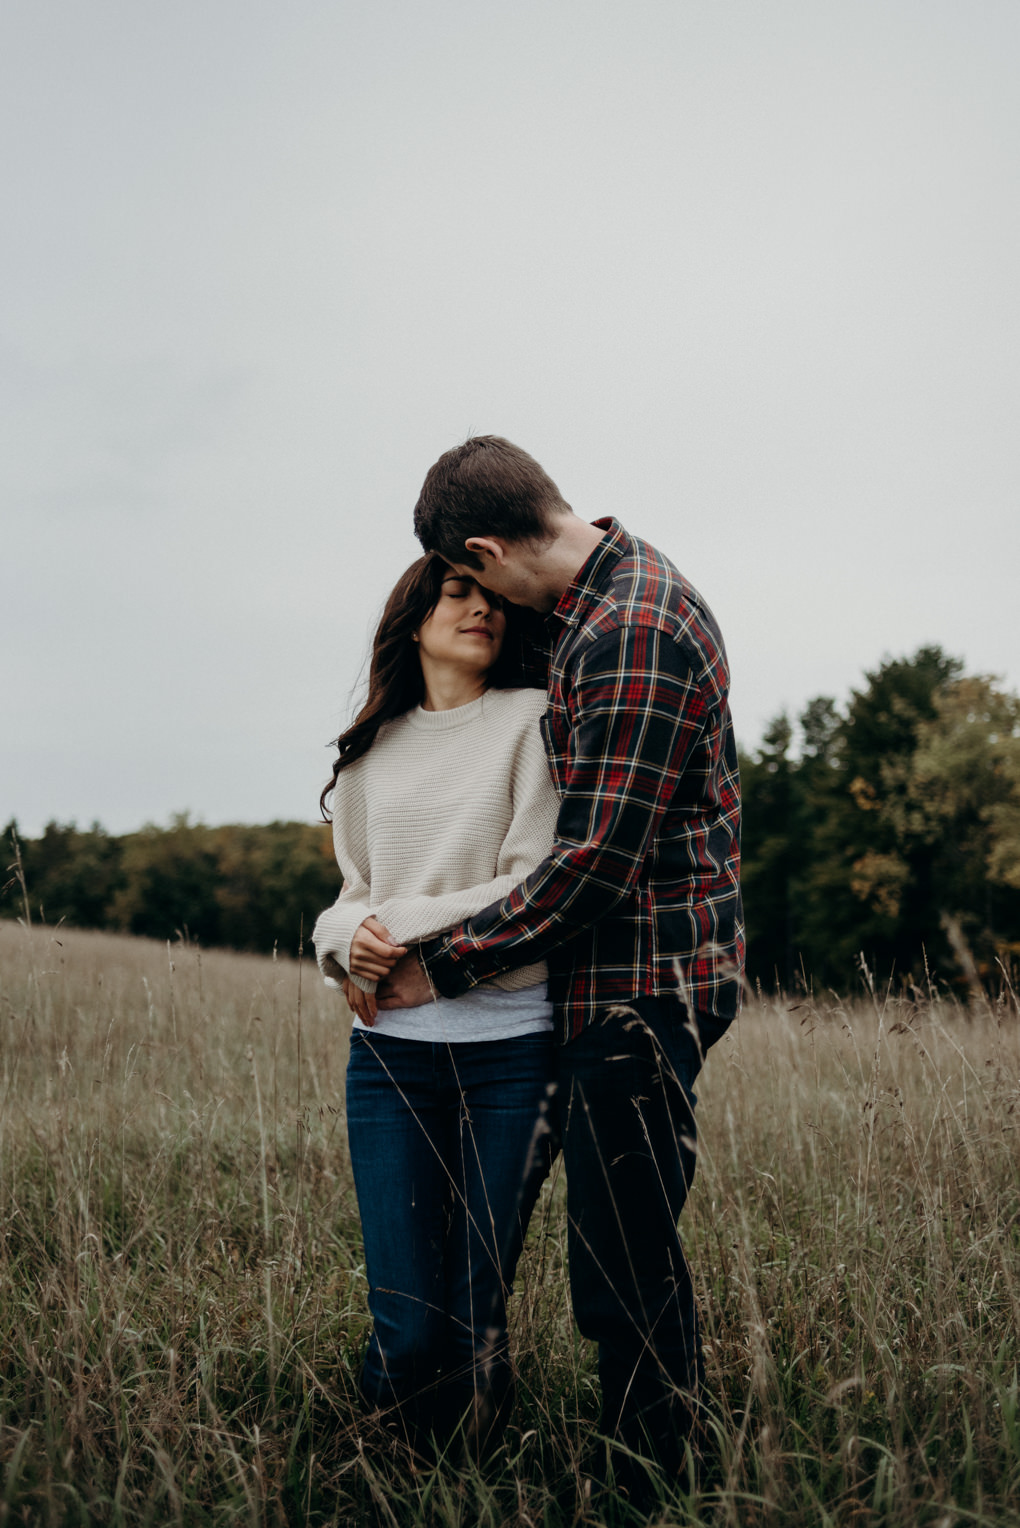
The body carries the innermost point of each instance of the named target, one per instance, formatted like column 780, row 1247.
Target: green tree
column 169, row 887
column 251, row 887
column 769, row 863
column 71, row 874
column 953, row 809
column 897, row 819
column 870, row 886
column 273, row 882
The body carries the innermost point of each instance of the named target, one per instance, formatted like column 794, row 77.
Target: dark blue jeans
column 449, row 1146
column 629, row 1144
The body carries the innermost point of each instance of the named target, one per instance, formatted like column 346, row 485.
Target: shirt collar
column 592, row 578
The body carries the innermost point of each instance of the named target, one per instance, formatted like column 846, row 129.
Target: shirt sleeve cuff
column 447, row 974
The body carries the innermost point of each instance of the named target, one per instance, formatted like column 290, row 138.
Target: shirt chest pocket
column 555, row 724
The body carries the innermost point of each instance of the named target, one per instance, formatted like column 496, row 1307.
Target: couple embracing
column 540, row 936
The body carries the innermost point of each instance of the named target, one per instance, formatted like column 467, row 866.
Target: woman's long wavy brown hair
column 395, row 682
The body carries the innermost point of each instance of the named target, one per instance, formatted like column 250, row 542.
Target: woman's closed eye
column 463, row 588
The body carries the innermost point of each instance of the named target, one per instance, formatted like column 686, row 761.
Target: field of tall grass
column 182, row 1293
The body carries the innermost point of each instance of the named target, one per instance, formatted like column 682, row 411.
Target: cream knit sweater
column 446, row 813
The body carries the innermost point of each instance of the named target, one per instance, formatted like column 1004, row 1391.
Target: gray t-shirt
column 484, row 1013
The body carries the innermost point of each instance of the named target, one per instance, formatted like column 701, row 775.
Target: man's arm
column 637, row 712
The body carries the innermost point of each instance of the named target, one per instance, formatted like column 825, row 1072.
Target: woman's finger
column 373, row 926
column 374, row 941
column 370, row 969
column 365, row 958
column 365, row 940
column 362, row 957
column 362, row 1004
column 371, row 958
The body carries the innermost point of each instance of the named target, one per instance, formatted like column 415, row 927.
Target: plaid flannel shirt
column 640, row 894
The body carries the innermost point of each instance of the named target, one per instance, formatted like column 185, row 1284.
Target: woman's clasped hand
column 373, row 956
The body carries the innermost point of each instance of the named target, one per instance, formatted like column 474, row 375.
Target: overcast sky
column 743, row 273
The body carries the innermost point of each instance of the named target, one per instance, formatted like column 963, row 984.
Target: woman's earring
column 414, row 636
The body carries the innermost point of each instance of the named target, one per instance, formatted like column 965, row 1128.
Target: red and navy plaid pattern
column 640, row 895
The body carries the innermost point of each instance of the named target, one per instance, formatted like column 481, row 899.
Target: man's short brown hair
column 486, row 487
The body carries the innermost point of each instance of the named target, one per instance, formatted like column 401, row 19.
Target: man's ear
column 482, row 546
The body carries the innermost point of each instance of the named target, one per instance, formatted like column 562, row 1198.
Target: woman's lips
column 477, row 631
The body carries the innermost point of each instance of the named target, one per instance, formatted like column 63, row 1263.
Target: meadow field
column 182, row 1292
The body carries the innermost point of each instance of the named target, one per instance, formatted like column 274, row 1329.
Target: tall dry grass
column 182, row 1300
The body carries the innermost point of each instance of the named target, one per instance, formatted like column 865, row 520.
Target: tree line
column 885, row 833
column 251, row 888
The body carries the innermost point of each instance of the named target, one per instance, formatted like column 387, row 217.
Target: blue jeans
column 449, row 1145
column 626, row 1104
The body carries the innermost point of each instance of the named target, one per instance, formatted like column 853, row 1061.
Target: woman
column 441, row 803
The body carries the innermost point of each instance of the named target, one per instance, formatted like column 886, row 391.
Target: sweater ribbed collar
column 446, row 721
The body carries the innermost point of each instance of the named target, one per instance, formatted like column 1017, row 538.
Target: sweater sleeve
column 337, row 925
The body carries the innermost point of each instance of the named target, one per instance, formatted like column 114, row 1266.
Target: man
column 637, row 908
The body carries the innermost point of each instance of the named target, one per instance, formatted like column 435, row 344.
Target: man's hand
column 361, row 1003
column 407, row 986
column 373, row 953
